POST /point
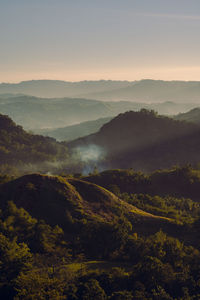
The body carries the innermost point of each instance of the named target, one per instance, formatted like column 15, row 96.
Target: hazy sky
column 99, row 39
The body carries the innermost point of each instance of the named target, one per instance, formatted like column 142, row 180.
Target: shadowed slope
column 144, row 141
column 55, row 198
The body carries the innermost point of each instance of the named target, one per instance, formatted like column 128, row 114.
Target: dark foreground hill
column 104, row 247
column 144, row 141
column 59, row 200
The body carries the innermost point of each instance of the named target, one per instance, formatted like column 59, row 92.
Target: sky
column 77, row 40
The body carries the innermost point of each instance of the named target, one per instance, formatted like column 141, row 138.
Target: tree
column 91, row 290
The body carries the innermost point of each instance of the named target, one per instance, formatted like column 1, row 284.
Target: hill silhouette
column 58, row 88
column 144, row 141
column 146, row 90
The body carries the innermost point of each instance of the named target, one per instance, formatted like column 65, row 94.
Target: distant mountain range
column 44, row 113
column 58, row 88
column 153, row 91
column 190, row 116
column 75, row 131
column 147, row 91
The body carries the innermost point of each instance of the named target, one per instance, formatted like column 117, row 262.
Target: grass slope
column 56, row 199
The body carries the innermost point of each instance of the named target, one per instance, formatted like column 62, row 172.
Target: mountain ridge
column 146, row 90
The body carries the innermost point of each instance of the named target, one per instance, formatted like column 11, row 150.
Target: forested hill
column 66, row 238
column 19, row 147
column 191, row 116
column 145, row 141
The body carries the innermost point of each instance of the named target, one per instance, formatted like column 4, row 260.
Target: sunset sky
column 76, row 40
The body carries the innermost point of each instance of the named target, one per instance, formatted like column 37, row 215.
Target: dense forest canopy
column 66, row 238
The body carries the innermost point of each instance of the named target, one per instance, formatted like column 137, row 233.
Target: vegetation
column 19, row 149
column 145, row 141
column 118, row 234
column 67, row 238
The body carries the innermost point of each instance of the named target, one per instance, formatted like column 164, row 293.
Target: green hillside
column 67, row 238
column 177, row 182
column 57, row 199
column 17, row 147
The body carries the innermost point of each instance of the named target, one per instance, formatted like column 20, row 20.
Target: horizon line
column 97, row 80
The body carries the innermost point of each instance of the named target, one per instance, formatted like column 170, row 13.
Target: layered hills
column 74, row 131
column 140, row 140
column 154, row 91
column 39, row 113
column 44, row 113
column 140, row 91
column 58, row 88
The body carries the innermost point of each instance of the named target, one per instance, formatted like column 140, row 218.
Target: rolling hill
column 144, row 141
column 192, row 116
column 58, row 200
